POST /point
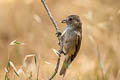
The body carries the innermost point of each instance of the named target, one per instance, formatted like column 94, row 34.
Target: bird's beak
column 64, row 21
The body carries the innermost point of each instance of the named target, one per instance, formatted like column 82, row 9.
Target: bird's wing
column 77, row 45
column 69, row 59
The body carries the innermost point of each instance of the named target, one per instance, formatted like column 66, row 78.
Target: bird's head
column 72, row 20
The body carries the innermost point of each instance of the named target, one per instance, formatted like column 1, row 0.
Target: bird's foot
column 61, row 51
column 58, row 34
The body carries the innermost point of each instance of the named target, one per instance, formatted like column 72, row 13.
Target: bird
column 71, row 39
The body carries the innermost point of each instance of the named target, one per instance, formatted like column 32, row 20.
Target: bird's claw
column 61, row 51
column 58, row 34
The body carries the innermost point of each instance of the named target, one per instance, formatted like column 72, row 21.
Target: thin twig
column 58, row 35
column 50, row 15
column 56, row 69
column 55, row 25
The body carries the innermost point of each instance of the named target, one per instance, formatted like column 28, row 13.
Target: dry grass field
column 26, row 21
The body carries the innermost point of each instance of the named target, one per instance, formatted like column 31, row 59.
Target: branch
column 57, row 67
column 50, row 15
column 58, row 36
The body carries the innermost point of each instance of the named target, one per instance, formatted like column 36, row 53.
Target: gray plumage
column 71, row 38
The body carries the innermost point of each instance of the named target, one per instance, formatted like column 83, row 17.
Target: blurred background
column 27, row 21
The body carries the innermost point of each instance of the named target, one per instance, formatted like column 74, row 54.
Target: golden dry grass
column 27, row 21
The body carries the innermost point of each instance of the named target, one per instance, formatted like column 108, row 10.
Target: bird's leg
column 58, row 35
column 61, row 45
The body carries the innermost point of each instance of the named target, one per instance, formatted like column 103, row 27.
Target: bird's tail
column 65, row 65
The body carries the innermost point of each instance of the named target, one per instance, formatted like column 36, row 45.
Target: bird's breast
column 70, row 35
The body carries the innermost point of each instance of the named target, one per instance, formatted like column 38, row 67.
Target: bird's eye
column 70, row 19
